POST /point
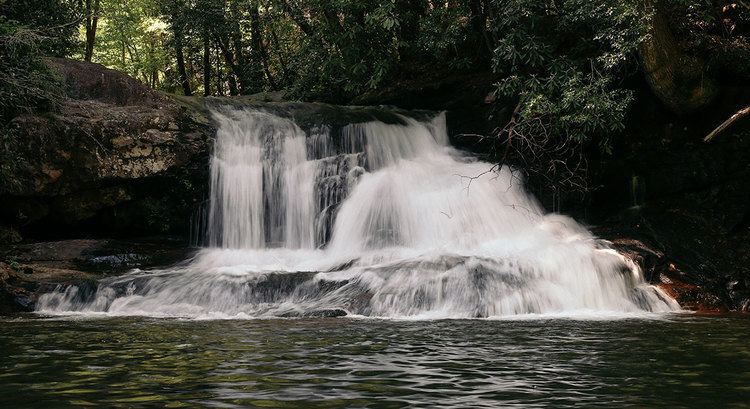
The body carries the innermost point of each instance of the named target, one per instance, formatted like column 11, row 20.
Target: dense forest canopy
column 564, row 65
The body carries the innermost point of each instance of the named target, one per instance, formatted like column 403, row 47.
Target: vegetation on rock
column 26, row 82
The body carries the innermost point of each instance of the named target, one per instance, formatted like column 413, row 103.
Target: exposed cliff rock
column 117, row 158
column 121, row 160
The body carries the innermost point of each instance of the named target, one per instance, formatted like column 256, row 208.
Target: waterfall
column 375, row 219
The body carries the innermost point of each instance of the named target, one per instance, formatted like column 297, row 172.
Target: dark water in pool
column 679, row 361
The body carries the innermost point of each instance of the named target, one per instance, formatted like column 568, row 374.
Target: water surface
column 674, row 361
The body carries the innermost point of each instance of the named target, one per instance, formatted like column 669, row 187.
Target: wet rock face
column 690, row 290
column 90, row 142
column 693, row 256
column 118, row 158
column 29, row 270
column 9, row 235
column 687, row 198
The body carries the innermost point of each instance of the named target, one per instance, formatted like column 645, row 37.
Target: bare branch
column 729, row 122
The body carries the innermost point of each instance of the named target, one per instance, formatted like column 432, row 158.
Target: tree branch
column 729, row 122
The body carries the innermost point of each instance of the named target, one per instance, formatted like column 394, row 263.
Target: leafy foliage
column 131, row 39
column 718, row 31
column 445, row 36
column 26, row 83
column 56, row 20
column 349, row 55
column 560, row 60
column 29, row 31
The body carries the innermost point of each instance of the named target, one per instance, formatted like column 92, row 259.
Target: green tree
column 132, row 39
column 56, row 20
column 174, row 12
column 26, row 83
column 31, row 30
column 91, row 10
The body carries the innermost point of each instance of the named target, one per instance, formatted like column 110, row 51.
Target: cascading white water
column 261, row 183
column 371, row 219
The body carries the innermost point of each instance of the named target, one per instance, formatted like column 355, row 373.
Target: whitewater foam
column 376, row 220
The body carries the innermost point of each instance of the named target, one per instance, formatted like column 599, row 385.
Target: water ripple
column 683, row 361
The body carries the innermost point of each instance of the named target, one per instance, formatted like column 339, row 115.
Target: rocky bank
column 118, row 159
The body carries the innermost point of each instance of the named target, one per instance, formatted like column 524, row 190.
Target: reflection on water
column 681, row 360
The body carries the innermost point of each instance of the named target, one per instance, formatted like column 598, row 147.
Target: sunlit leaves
column 385, row 14
column 131, row 38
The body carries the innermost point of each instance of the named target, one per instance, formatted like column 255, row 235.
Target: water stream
column 372, row 219
column 676, row 361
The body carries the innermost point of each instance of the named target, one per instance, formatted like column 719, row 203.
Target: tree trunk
column 258, row 49
column 332, row 19
column 679, row 80
column 489, row 15
column 92, row 20
column 412, row 13
column 256, row 54
column 184, row 81
column 232, row 80
column 280, row 53
column 219, row 75
column 240, row 68
column 267, row 68
column 206, row 64
column 229, row 60
column 479, row 25
column 298, row 19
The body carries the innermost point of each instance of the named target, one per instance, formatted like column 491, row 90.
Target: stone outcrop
column 117, row 158
column 687, row 198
